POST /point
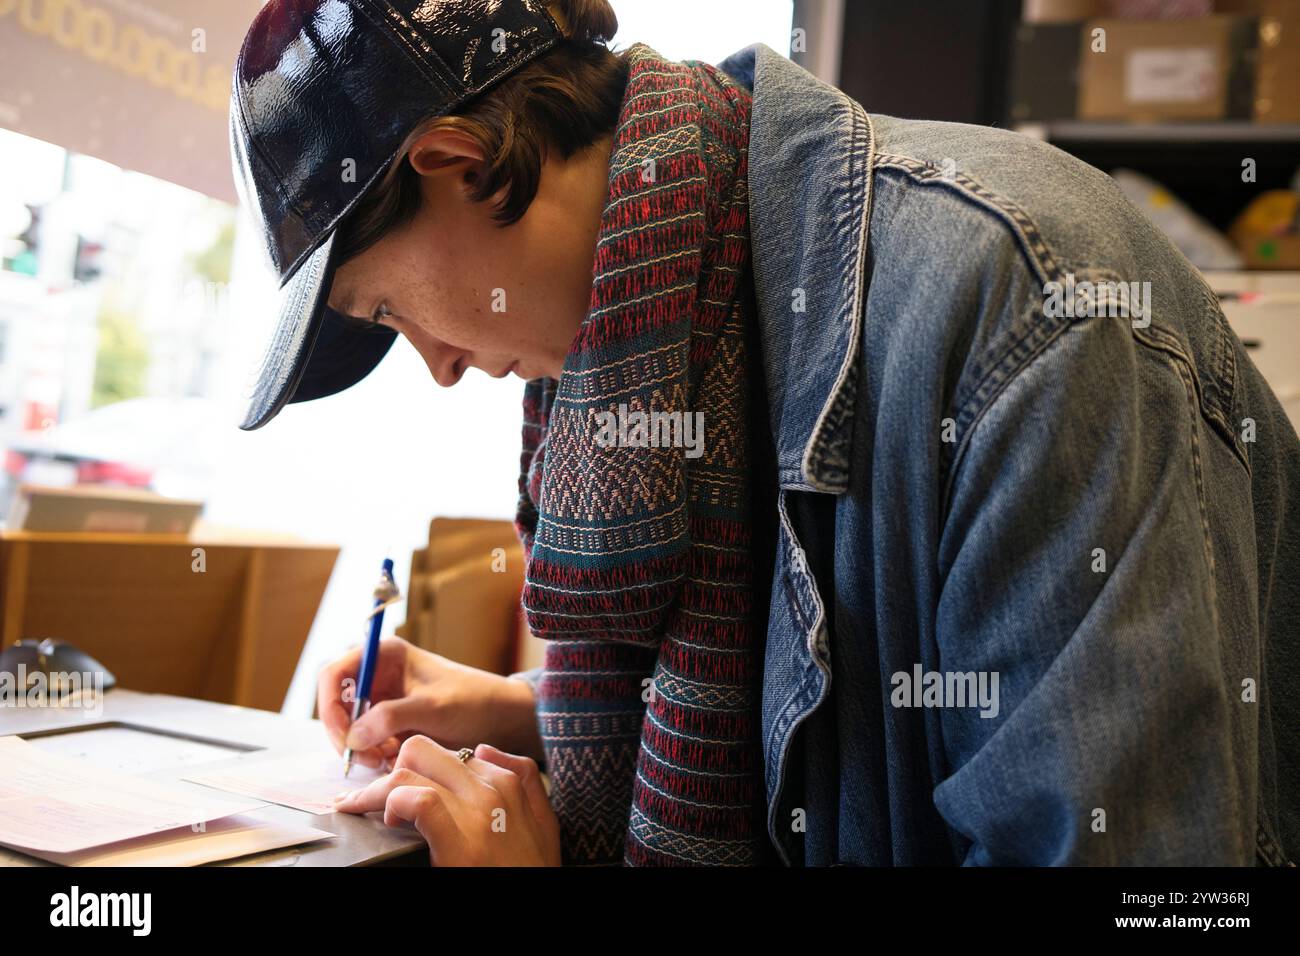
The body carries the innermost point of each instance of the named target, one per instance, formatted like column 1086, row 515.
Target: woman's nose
column 444, row 364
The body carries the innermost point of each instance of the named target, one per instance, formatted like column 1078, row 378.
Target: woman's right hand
column 419, row 692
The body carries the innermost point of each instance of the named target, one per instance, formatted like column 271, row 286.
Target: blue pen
column 386, row 592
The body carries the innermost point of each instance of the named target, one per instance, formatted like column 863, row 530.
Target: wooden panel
column 230, row 629
column 289, row 590
column 458, row 606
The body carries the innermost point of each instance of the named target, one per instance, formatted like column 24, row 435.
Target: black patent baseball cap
column 325, row 94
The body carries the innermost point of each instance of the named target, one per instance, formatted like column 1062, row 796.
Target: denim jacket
column 1036, row 586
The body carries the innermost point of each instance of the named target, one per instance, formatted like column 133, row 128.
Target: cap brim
column 312, row 353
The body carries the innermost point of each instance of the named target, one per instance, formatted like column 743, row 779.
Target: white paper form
column 306, row 781
column 54, row 804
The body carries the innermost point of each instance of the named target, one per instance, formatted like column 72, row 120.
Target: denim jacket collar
column 810, row 157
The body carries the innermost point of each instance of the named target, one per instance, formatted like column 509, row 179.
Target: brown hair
column 566, row 99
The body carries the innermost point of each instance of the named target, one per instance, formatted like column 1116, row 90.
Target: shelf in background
column 1221, row 131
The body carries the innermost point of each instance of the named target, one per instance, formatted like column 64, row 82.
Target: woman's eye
column 375, row 323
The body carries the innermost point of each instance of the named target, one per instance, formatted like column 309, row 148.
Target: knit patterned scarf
column 637, row 530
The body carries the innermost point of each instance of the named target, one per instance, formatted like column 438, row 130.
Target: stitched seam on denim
column 797, row 485
column 1015, row 358
column 785, row 727
column 983, row 392
column 1157, row 338
column 1009, row 364
column 1198, row 466
column 794, row 558
column 1182, row 366
column 780, row 726
column 1224, row 360
column 1036, row 252
column 1228, row 370
column 1232, row 377
column 845, row 386
column 1218, row 393
column 1026, row 229
column 989, row 390
column 790, row 474
column 844, row 391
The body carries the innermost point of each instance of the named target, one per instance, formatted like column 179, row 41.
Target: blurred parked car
column 167, row 445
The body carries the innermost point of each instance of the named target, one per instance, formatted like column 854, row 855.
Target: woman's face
column 468, row 293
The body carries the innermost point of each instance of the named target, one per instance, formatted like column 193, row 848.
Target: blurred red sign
column 142, row 84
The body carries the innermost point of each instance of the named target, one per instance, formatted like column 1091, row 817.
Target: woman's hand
column 416, row 691
column 490, row 810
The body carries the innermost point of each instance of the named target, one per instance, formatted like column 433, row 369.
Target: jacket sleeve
column 1077, row 574
column 529, row 677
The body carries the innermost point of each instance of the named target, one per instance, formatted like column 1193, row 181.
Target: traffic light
column 23, row 254
column 88, row 264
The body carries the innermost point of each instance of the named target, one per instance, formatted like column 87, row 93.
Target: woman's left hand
column 490, row 810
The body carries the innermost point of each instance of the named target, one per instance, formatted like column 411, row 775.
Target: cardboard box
column 1160, row 9
column 1155, row 70
column 1073, row 11
column 463, row 593
column 1062, row 11
column 1243, row 8
column 1271, row 252
column 98, row 508
column 1277, row 67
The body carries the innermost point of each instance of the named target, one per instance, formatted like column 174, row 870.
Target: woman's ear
column 440, row 150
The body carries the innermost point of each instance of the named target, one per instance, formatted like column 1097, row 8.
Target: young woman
column 853, row 540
